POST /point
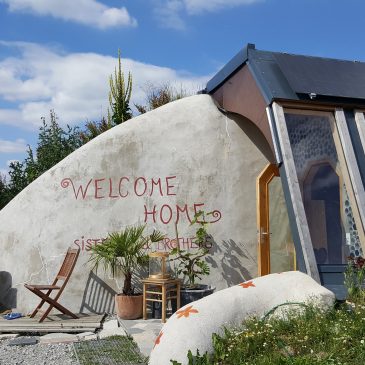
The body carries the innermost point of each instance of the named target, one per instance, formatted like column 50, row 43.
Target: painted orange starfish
column 186, row 312
column 247, row 284
column 157, row 341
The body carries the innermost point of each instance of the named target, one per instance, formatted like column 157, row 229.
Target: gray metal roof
column 296, row 77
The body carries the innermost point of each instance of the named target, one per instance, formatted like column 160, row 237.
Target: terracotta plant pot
column 129, row 306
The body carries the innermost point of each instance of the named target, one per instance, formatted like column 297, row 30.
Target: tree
column 54, row 144
column 119, row 96
column 4, row 192
column 93, row 129
column 18, row 178
column 16, row 183
column 157, row 96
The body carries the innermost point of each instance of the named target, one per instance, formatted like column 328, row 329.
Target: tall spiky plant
column 119, row 95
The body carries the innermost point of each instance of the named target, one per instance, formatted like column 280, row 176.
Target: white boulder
column 191, row 327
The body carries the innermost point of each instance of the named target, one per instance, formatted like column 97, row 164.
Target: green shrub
column 310, row 337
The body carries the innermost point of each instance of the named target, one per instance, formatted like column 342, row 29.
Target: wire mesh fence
column 115, row 350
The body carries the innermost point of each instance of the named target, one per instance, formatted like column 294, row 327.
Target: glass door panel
column 282, row 252
column 325, row 183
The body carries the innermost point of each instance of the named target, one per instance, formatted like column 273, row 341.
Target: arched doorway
column 276, row 251
column 322, row 204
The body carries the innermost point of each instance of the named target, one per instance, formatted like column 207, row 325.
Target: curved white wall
column 166, row 161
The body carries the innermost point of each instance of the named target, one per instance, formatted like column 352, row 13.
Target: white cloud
column 75, row 85
column 4, row 173
column 16, row 146
column 170, row 12
column 87, row 12
column 199, row 6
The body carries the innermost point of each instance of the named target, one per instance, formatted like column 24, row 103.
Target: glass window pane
column 320, row 176
column 282, row 252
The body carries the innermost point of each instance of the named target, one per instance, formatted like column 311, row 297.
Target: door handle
column 262, row 234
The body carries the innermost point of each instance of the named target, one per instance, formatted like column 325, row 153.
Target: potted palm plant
column 123, row 253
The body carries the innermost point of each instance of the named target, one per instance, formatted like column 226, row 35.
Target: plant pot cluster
column 123, row 252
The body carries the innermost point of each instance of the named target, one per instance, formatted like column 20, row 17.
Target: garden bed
column 311, row 337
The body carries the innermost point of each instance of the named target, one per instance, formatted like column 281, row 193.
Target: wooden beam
column 318, row 105
column 355, row 186
column 295, row 194
column 278, row 157
column 360, row 124
column 307, row 105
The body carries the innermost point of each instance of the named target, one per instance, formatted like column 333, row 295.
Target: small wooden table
column 162, row 289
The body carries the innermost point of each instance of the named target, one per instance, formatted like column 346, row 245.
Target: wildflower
column 362, row 342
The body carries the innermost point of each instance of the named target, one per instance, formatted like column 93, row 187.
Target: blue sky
column 58, row 54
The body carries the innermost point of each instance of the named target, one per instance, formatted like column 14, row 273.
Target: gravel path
column 39, row 354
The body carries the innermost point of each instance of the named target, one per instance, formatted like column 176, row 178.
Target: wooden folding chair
column 63, row 275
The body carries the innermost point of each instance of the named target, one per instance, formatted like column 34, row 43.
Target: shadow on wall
column 233, row 271
column 138, row 275
column 98, row 296
column 7, row 293
column 255, row 135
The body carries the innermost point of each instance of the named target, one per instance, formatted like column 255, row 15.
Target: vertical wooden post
column 360, row 124
column 163, row 303
column 352, row 171
column 144, row 302
column 178, row 303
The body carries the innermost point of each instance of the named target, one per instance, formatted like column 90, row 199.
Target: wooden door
column 263, row 219
column 276, row 251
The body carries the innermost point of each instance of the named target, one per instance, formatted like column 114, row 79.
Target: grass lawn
column 311, row 337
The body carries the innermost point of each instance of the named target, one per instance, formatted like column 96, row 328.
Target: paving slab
column 7, row 336
column 133, row 330
column 111, row 324
column 141, row 323
column 145, row 341
column 111, row 332
column 23, row 341
column 58, row 338
column 143, row 332
column 87, row 336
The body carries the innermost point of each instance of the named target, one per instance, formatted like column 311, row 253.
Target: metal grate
column 116, row 350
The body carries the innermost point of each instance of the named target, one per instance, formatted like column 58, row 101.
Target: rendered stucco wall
column 157, row 168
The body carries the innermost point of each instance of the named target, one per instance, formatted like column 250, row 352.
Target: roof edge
column 229, row 69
